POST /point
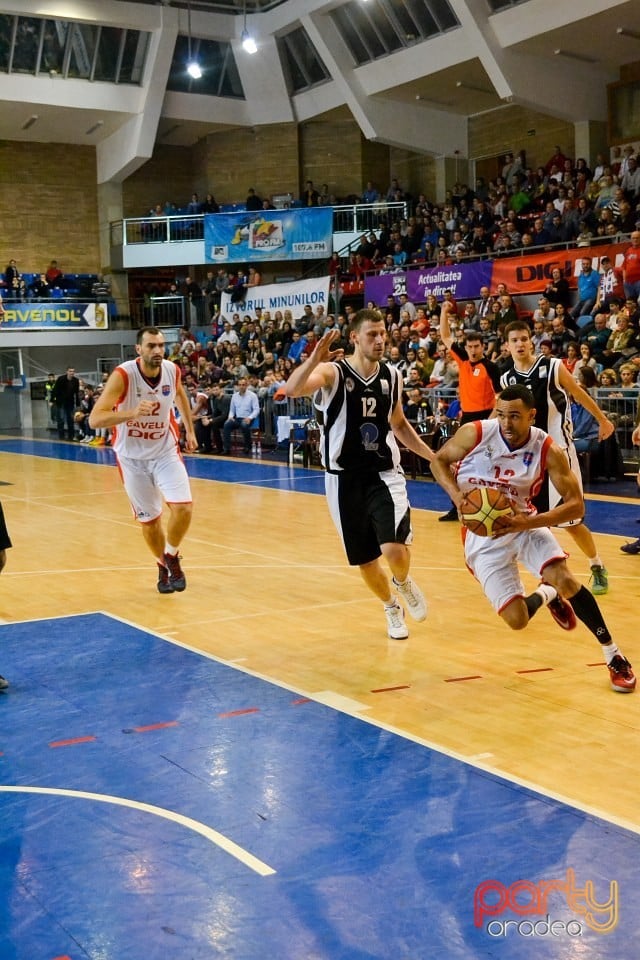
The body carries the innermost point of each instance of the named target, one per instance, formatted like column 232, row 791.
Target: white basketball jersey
column 517, row 473
column 149, row 437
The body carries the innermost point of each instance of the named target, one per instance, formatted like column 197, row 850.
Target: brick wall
column 49, row 207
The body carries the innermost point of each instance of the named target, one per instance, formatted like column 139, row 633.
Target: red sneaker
column 177, row 578
column 562, row 613
column 621, row 675
column 164, row 586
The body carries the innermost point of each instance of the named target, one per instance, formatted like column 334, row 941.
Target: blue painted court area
column 617, row 514
column 156, row 803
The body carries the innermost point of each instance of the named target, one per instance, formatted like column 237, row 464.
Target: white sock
column 547, row 592
column 610, row 650
column 400, row 583
column 170, row 549
column 391, row 603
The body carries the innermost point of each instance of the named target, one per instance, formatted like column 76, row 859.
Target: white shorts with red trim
column 148, row 482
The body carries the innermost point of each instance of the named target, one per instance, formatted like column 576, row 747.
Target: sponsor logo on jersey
column 349, row 385
column 166, row 390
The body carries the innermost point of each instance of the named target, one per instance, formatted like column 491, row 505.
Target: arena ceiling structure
column 113, row 73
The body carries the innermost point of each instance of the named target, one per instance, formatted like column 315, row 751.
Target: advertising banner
column 280, row 296
column 256, row 236
column 521, row 274
column 54, row 316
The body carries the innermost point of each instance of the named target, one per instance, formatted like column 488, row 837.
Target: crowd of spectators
column 562, row 202
column 51, row 284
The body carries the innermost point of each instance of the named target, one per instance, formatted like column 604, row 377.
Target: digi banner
column 54, row 315
column 256, row 236
column 532, row 273
column 528, row 274
column 280, row 296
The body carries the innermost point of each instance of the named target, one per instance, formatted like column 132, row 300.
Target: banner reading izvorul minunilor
column 280, row 296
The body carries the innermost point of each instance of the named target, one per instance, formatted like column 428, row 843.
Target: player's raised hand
column 322, row 352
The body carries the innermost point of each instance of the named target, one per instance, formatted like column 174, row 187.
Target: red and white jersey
column 149, row 437
column 491, row 462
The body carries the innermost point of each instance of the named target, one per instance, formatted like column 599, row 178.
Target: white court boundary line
column 321, row 698
column 263, row 869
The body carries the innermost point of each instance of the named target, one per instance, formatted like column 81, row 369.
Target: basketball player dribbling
column 359, row 404
column 137, row 402
column 512, row 455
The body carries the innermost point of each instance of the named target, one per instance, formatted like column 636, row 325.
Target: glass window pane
column 386, row 30
column 409, row 25
column 84, row 37
column 6, row 32
column 134, row 56
column 369, row 35
column 55, row 39
column 350, row 35
column 108, row 53
column 220, row 77
column 27, row 45
column 443, row 13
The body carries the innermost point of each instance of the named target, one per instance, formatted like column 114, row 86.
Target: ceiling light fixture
column 193, row 67
column 248, row 43
column 581, row 57
column 463, row 85
column 623, row 32
column 30, row 122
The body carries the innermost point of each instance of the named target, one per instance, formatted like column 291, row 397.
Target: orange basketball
column 484, row 511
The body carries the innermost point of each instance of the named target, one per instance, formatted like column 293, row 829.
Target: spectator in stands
column 610, row 287
column 544, row 311
column 310, row 195
column 370, row 194
column 194, row 205
column 219, row 403
column 557, row 290
column 630, row 182
column 253, row 201
column 53, row 274
column 588, row 285
column 210, row 204
column 101, row 289
column 618, row 341
column 243, row 410
column 40, row 289
column 561, row 336
column 585, row 359
column 631, row 267
column 12, row 278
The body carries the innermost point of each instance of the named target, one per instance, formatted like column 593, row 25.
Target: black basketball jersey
column 355, row 415
column 553, row 405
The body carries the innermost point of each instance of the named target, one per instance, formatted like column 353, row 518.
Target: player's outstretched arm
column 317, row 371
column 407, row 436
column 572, row 502
column 445, row 327
column 568, row 382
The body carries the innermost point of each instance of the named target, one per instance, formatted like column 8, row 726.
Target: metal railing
column 347, row 218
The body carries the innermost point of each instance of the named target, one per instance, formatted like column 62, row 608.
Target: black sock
column 587, row 610
column 534, row 601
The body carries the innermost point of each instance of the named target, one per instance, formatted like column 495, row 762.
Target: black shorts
column 369, row 509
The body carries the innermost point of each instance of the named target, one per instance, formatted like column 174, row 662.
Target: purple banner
column 464, row 280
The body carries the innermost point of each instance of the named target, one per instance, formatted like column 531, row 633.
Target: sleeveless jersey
column 354, row 416
column 491, row 462
column 553, row 405
column 147, row 438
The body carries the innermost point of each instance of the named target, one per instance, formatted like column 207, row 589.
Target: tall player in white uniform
column 552, row 386
column 137, row 402
column 510, row 454
column 360, row 414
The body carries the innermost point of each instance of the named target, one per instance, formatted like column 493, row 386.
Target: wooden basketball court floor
column 250, row 769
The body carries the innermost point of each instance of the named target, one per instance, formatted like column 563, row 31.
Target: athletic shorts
column 148, row 482
column 549, row 497
column 369, row 509
column 494, row 563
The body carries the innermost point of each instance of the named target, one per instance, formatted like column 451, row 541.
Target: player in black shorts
column 5, row 543
column 360, row 413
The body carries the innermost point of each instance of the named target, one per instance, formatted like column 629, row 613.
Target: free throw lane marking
column 207, row 832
